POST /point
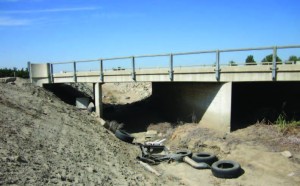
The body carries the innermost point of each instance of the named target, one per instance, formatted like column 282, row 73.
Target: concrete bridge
column 205, row 91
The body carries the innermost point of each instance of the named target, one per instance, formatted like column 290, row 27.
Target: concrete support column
column 98, row 99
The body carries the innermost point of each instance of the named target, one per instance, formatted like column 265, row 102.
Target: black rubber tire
column 184, row 153
column 204, row 157
column 226, row 169
column 124, row 136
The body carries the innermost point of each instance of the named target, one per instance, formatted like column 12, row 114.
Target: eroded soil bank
column 44, row 141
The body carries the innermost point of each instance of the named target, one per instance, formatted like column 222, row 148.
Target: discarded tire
column 226, row 169
column 204, row 157
column 124, row 136
column 184, row 153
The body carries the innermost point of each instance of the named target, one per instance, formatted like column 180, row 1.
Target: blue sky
column 64, row 30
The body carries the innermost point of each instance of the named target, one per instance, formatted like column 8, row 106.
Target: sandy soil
column 44, row 141
column 122, row 93
column 257, row 148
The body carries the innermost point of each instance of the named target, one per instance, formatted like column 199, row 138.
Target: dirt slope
column 44, row 141
column 257, row 148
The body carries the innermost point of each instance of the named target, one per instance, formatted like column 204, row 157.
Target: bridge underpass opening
column 67, row 92
column 223, row 106
column 174, row 102
column 257, row 101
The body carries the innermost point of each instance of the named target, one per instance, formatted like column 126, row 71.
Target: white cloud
column 53, row 10
column 8, row 21
column 9, row 1
column 14, row 1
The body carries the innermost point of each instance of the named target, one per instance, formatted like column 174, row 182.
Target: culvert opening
column 67, row 93
column 257, row 101
column 136, row 116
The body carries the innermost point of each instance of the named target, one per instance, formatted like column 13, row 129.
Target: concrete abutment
column 206, row 103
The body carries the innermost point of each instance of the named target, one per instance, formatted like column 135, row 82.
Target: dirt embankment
column 44, row 141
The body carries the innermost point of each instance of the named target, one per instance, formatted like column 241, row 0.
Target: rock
column 12, row 158
column 291, row 174
column 151, row 134
column 63, row 178
column 91, row 107
column 7, row 79
column 58, row 176
column 287, row 154
column 127, row 98
column 101, row 121
column 54, row 181
column 22, row 159
column 89, row 169
column 70, row 179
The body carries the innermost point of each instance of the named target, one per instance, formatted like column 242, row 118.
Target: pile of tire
column 220, row 168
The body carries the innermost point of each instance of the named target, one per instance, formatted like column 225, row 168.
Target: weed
column 284, row 125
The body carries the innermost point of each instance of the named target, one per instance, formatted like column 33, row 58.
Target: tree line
column 14, row 72
column 266, row 60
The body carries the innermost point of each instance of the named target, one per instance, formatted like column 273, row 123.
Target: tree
column 232, row 63
column 250, row 60
column 293, row 58
column 269, row 58
column 5, row 72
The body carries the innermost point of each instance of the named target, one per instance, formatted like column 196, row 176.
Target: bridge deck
column 288, row 72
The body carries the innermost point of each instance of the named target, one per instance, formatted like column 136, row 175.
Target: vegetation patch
column 287, row 126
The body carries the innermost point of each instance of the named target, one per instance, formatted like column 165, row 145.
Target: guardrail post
column 217, row 65
column 29, row 70
column 133, row 69
column 101, row 70
column 171, row 72
column 51, row 73
column 274, row 65
column 74, row 75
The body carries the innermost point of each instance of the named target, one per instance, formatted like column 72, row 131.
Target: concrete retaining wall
column 206, row 103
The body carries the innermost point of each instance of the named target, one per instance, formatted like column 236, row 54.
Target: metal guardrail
column 171, row 61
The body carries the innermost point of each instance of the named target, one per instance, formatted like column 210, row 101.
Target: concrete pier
column 98, row 98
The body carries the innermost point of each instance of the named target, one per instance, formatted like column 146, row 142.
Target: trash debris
column 156, row 142
column 287, row 154
column 194, row 164
column 149, row 168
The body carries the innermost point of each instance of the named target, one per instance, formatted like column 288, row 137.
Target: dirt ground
column 47, row 142
column 257, row 148
column 44, row 141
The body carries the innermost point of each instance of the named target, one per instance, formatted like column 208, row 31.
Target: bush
column 284, row 125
